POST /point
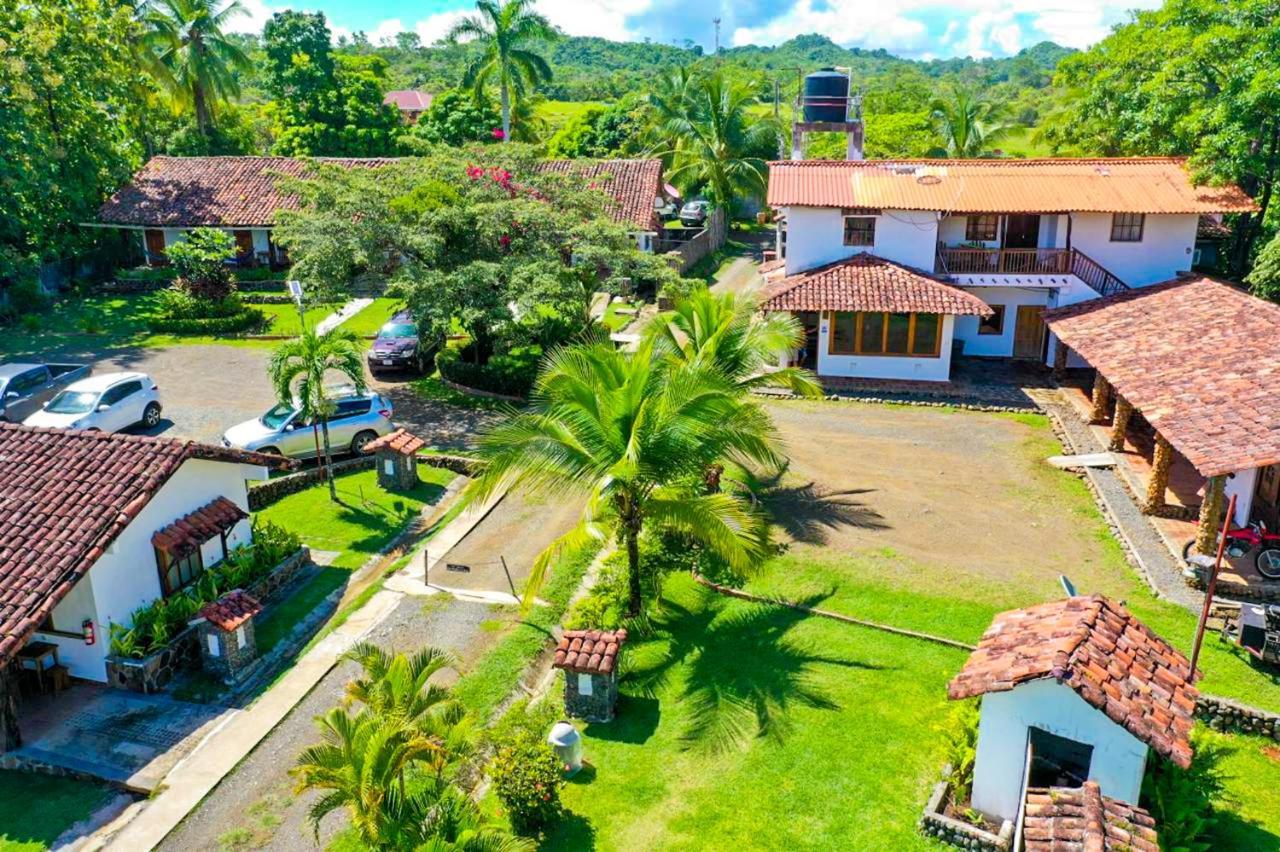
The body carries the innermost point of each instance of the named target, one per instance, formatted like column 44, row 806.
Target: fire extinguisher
column 86, row 627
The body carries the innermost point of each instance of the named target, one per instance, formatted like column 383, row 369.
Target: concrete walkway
column 343, row 314
column 193, row 778
column 1156, row 564
column 739, row 277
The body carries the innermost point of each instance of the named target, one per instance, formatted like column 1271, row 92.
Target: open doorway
column 1022, row 232
column 809, row 351
column 1057, row 761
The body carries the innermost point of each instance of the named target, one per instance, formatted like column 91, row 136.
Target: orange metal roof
column 1127, row 185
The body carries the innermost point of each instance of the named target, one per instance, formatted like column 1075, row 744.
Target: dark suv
column 397, row 347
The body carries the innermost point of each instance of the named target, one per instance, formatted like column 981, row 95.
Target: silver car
column 357, row 420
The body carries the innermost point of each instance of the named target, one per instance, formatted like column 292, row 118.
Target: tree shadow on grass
column 737, row 670
column 571, row 831
column 636, row 720
column 810, row 512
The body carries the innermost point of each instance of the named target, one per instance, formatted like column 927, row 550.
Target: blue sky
column 916, row 28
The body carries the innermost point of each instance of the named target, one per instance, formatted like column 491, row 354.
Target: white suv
column 108, row 403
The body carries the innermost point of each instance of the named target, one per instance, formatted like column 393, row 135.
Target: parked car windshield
column 398, row 329
column 73, row 402
column 277, row 417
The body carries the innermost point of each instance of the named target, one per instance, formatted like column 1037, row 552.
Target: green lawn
column 741, row 722
column 615, row 321
column 366, row 520
column 35, row 809
column 556, row 113
column 1020, row 142
column 283, row 319
column 367, row 322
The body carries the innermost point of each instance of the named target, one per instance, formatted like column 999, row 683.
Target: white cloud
column 603, row 18
column 386, row 31
column 437, row 26
column 257, row 13
column 843, row 21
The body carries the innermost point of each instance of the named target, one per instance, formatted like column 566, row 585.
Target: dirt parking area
column 958, row 500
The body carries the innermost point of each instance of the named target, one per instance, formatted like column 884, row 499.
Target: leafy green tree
column 711, row 137
column 455, row 118
column 65, row 116
column 1264, row 279
column 601, row 132
column 632, row 436
column 325, row 105
column 527, row 777
column 201, row 263
column 506, row 33
column 723, row 332
column 194, row 59
column 297, row 370
column 1194, row 77
column 967, row 125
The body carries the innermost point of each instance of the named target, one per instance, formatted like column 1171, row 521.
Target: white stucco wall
column 1241, row 484
column 1166, row 249
column 1118, row 762
column 997, row 345
column 126, row 576
column 815, row 236
column 886, row 366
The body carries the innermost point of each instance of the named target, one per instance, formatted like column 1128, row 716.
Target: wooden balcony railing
column 1037, row 261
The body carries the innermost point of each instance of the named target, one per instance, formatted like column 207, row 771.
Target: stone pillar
column 1101, row 396
column 1161, row 460
column 10, row 738
column 1120, row 424
column 1060, row 355
column 1210, row 515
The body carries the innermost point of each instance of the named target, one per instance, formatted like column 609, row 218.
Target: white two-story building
column 1021, row 236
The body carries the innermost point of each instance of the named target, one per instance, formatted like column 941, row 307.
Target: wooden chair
column 60, row 677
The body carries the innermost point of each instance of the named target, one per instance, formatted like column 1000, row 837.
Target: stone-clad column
column 1161, row 460
column 1101, row 396
column 1210, row 515
column 10, row 738
column 1120, row 424
column 1060, row 354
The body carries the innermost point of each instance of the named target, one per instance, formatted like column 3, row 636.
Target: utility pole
column 716, row 21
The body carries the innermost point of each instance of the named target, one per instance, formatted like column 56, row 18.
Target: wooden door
column 1022, row 232
column 155, row 247
column 244, row 245
column 1029, row 332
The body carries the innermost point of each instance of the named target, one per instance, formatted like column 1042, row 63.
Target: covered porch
column 1179, row 395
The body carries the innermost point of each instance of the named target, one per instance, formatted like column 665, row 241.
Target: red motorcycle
column 1242, row 540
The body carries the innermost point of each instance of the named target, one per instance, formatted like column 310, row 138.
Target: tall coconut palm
column 711, row 138
column 968, row 126
column 361, row 764
column 193, row 59
column 506, row 32
column 632, row 435
column 456, row 825
column 724, row 332
column 297, row 370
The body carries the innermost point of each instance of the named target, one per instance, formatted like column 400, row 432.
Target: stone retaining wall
column 1264, row 592
column 483, row 394
column 917, row 401
column 935, row 823
column 261, row 496
column 1223, row 714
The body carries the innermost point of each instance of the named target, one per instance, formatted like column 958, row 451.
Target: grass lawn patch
column 556, row 113
column 1252, row 820
column 740, row 722
column 615, row 321
column 367, row 322
column 283, row 318
column 433, row 388
column 35, row 809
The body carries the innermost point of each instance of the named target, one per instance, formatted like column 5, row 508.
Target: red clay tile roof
column 64, row 497
column 409, row 100
column 194, row 529
column 1109, row 658
column 225, row 191
column 1199, row 359
column 1081, row 819
column 865, row 282
column 399, row 441
column 1127, row 185
column 589, row 651
column 231, row 610
column 636, row 184
column 1209, row 228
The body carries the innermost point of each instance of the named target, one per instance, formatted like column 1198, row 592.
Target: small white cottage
column 1073, row 691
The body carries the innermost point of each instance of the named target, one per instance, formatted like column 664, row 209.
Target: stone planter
column 153, row 672
column 935, row 823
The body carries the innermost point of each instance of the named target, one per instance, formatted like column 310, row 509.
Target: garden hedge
column 247, row 319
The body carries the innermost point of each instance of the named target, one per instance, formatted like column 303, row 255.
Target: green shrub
column 246, row 319
column 146, row 273
column 960, row 735
column 605, row 607
column 178, row 304
column 511, row 373
column 1182, row 800
column 26, row 296
column 30, row 323
column 1264, row 279
column 201, row 263
column 527, row 777
column 257, row 274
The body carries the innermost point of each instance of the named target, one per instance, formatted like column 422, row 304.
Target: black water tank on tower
column 826, row 95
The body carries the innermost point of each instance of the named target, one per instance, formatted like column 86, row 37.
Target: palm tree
column 506, row 30
column 297, row 369
column 968, row 126
column 723, row 331
column 710, row 137
column 456, row 825
column 634, row 434
column 193, row 59
column 361, row 763
column 397, row 689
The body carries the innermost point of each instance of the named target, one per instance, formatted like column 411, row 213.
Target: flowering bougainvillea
column 527, row 777
column 498, row 134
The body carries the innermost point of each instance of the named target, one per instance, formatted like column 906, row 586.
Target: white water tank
column 565, row 740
